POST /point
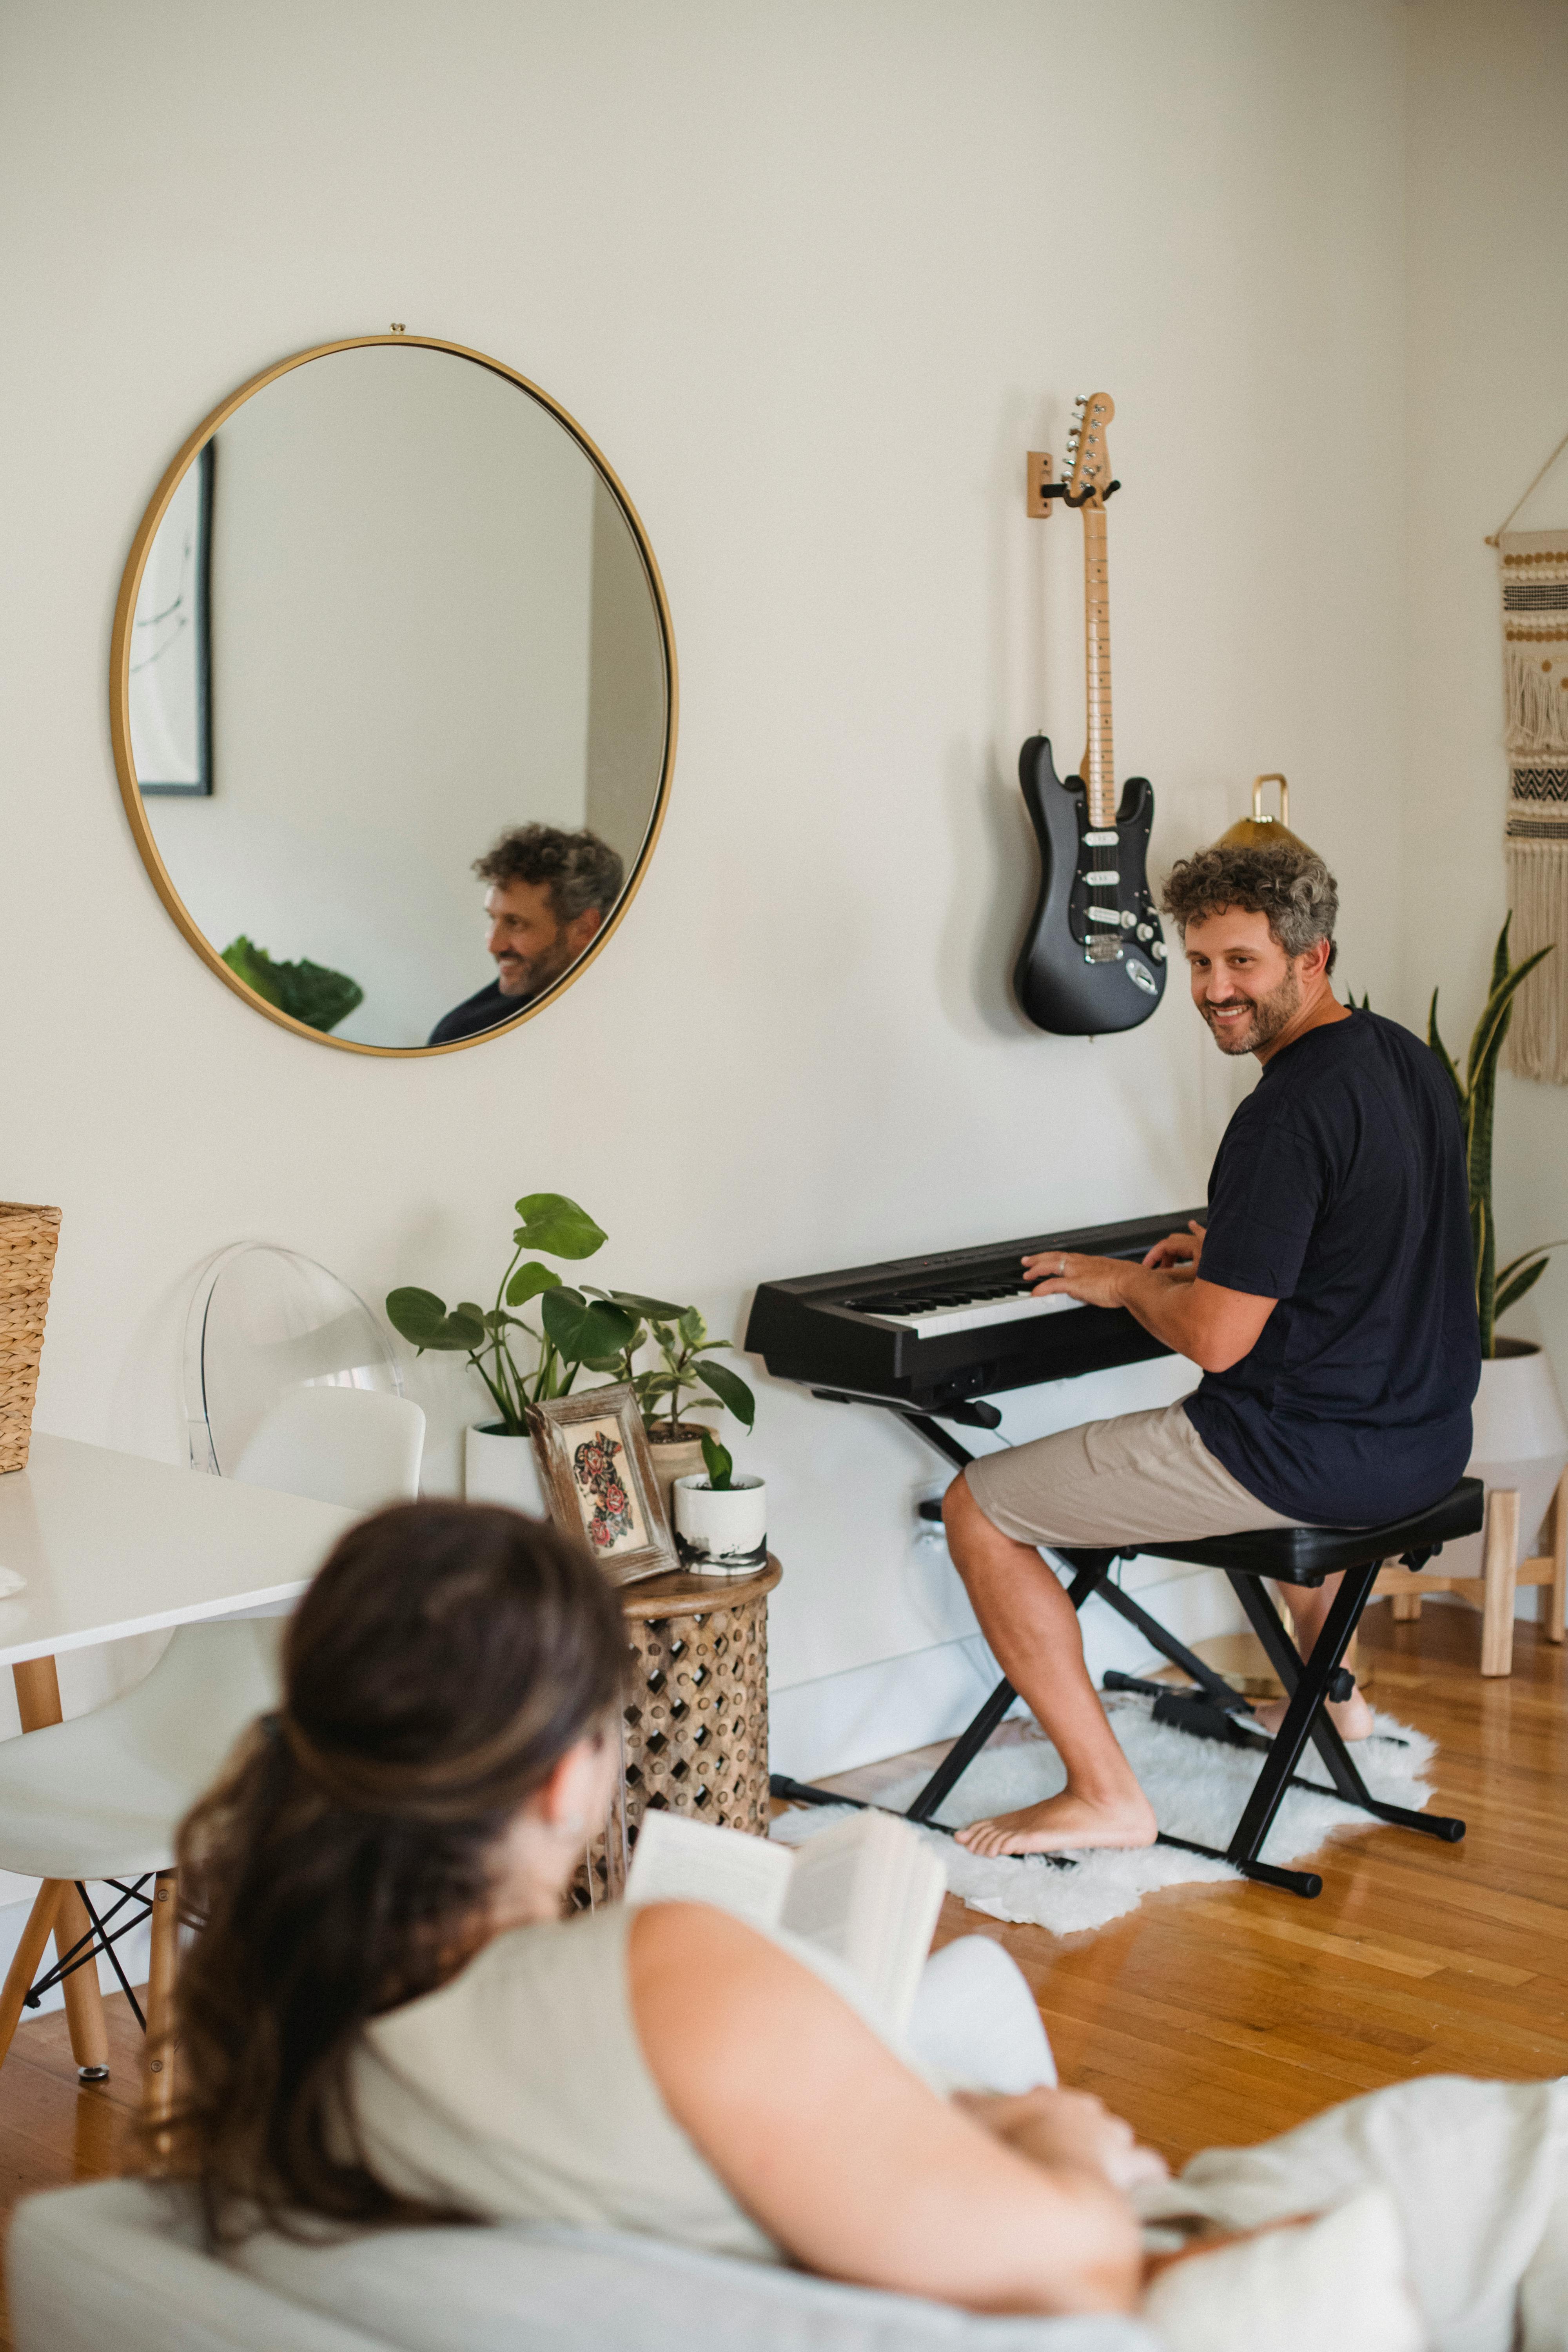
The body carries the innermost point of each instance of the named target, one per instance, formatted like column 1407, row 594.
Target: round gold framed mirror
column 393, row 695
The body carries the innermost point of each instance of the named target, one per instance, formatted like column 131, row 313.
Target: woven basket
column 28, row 1239
column 696, row 1733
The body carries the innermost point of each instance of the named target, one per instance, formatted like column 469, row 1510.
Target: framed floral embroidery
column 598, row 1473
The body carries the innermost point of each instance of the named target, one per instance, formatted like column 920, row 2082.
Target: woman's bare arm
column 845, row 2157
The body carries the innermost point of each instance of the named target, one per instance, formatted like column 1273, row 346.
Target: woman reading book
column 385, row 2016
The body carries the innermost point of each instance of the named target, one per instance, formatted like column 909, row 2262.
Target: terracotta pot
column 722, row 1531
column 1520, row 1440
column 500, row 1468
column 674, row 1458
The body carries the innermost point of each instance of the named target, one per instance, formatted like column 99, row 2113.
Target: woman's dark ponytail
column 444, row 1660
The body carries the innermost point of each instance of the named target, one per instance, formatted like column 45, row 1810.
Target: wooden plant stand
column 695, row 1729
column 1493, row 1590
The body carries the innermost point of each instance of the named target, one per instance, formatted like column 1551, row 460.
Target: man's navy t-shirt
column 487, row 1010
column 1339, row 1190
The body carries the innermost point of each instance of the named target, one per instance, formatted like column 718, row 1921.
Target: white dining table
column 109, row 1544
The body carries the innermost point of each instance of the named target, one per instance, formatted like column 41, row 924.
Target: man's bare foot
column 1351, row 1718
column 1065, row 1824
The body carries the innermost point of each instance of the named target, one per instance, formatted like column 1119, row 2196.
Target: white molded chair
column 100, row 1797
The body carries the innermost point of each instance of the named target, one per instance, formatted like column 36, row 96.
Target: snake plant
column 1497, row 1287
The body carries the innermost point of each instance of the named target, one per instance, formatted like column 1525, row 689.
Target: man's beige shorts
column 1131, row 1480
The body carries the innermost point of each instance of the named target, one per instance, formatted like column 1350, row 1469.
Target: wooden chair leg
column 38, row 1705
column 84, row 2000
column 1557, row 1591
column 158, row 2081
column 29, row 1951
column 1499, row 1569
column 1406, row 1607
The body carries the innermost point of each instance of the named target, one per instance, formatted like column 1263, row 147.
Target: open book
column 867, row 1891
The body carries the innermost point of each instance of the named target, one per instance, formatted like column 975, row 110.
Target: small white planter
column 500, row 1468
column 722, row 1533
column 1520, row 1440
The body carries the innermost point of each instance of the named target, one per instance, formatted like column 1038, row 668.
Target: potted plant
column 684, row 1382
column 721, row 1521
column 576, row 1329
column 1520, row 1437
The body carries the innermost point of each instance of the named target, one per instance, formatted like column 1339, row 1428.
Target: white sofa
column 119, row 2262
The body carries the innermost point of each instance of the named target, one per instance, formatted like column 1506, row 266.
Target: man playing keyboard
column 1329, row 1304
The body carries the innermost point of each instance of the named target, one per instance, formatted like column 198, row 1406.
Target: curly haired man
column 550, row 895
column 1328, row 1303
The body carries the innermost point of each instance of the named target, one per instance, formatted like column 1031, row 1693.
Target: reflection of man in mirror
column 549, row 893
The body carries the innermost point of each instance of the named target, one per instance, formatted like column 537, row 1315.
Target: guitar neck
column 1099, row 761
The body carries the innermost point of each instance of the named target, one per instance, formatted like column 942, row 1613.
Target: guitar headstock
column 1089, row 450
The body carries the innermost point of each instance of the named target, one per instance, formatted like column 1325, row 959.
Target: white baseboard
column 840, row 1721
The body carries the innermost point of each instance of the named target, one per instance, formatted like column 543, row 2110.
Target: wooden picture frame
column 598, row 1475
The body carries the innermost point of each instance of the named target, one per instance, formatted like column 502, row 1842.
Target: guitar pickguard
column 1093, row 957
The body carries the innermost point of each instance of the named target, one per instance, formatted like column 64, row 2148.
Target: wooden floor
column 1211, row 2013
column 54, row 2130
column 1223, row 2014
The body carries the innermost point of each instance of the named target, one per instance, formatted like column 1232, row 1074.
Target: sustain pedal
column 1195, row 1713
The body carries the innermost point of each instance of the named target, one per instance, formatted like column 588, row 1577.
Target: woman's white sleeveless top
column 519, row 2093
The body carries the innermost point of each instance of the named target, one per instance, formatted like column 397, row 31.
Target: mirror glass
column 395, row 619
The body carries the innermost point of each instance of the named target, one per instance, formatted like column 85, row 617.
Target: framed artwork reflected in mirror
column 169, row 677
column 393, row 695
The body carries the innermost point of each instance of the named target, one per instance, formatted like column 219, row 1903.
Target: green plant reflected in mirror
column 391, row 615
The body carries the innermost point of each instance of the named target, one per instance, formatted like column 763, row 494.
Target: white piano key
column 976, row 1314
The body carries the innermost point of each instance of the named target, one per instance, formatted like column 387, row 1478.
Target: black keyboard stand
column 1212, row 1709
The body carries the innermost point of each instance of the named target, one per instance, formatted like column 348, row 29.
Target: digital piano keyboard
column 933, row 1333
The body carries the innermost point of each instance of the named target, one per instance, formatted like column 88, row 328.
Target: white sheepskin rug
column 1197, row 1787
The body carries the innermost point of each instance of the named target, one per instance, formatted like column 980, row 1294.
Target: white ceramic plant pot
column 1520, row 1440
column 500, row 1468
column 722, row 1533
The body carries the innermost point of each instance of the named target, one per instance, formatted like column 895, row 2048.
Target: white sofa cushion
column 118, row 2262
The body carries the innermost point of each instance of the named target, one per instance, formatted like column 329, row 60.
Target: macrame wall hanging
column 1534, row 569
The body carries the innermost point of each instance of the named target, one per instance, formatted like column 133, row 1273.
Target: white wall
column 815, row 276
column 1487, row 401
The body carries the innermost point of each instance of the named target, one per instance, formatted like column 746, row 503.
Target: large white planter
column 498, row 1468
column 1520, row 1441
column 722, row 1532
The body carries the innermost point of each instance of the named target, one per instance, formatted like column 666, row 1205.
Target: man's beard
column 1269, row 1014
column 538, row 973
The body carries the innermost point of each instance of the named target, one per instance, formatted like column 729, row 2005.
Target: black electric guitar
column 1093, row 958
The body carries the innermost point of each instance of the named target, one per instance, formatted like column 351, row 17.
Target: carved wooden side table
column 695, row 1731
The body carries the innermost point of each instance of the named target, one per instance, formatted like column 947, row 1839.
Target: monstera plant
column 573, row 1328
column 578, row 1329
column 311, row 992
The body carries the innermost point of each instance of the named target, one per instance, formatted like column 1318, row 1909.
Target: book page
column 869, row 1891
column 677, row 1860
column 914, row 1904
column 820, row 1900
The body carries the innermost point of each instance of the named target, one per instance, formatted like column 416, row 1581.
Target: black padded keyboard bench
column 1211, row 1708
